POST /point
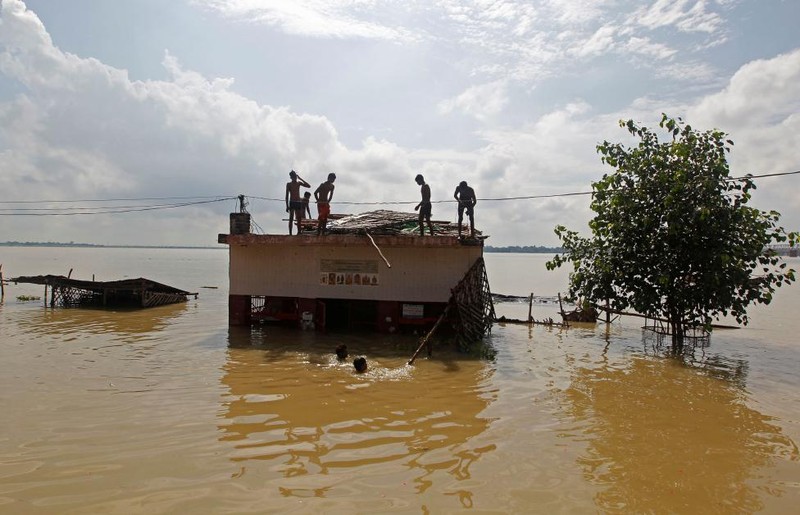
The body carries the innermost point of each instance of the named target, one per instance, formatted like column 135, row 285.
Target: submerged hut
column 141, row 292
column 369, row 271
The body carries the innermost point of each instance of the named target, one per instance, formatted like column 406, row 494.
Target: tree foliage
column 673, row 236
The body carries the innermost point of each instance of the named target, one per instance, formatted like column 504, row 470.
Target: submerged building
column 370, row 271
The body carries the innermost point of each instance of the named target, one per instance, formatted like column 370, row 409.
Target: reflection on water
column 307, row 414
column 696, row 355
column 665, row 434
column 128, row 325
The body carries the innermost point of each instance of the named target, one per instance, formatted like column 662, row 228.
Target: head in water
column 361, row 364
column 341, row 352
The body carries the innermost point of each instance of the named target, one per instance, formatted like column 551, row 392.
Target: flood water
column 167, row 410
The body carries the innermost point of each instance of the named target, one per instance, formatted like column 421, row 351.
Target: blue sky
column 215, row 98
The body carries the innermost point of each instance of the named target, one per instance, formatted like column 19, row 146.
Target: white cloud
column 80, row 129
column 482, row 101
column 316, row 18
column 645, row 47
column 600, row 42
column 759, row 109
column 686, row 15
column 83, row 130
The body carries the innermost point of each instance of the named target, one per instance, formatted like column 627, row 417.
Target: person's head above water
column 341, row 351
column 361, row 364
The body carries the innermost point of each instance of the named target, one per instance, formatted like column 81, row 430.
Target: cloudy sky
column 174, row 107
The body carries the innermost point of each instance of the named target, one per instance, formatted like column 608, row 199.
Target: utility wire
column 80, row 210
column 498, row 199
column 131, row 199
column 116, row 210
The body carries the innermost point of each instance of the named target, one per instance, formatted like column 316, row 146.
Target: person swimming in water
column 360, row 363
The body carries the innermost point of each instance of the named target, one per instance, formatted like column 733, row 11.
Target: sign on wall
column 413, row 310
column 348, row 272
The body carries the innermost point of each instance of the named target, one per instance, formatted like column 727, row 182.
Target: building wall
column 417, row 274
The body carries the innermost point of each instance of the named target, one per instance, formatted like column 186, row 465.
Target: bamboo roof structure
column 139, row 292
column 390, row 223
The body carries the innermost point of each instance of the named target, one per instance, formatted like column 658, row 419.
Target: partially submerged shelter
column 139, row 292
column 371, row 271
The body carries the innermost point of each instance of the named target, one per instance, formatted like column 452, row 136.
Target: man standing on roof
column 294, row 203
column 323, row 194
column 466, row 201
column 424, row 206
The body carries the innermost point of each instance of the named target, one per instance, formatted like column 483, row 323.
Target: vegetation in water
column 673, row 236
column 28, row 298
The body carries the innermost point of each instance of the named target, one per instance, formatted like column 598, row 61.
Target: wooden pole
column 658, row 319
column 424, row 340
column 530, row 307
column 608, row 313
column 379, row 250
column 2, row 285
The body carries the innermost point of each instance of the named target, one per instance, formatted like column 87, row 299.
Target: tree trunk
column 677, row 328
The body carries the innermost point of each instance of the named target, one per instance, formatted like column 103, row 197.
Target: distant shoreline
column 524, row 250
column 53, row 244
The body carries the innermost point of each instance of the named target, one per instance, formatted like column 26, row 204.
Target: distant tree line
column 46, row 244
column 94, row 245
column 527, row 249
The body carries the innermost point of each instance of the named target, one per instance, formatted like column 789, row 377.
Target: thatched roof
column 391, row 223
column 125, row 284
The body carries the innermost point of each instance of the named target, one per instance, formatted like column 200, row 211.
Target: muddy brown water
column 168, row 410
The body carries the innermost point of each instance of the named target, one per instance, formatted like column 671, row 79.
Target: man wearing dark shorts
column 466, row 202
column 294, row 203
column 424, row 207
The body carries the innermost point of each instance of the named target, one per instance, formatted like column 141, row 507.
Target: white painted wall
column 418, row 273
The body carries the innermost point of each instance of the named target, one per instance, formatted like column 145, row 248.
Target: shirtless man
column 424, row 206
column 323, row 194
column 466, row 201
column 294, row 203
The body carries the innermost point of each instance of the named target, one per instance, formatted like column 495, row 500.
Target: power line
column 130, row 199
column 765, row 175
column 116, row 209
column 199, row 200
column 498, row 199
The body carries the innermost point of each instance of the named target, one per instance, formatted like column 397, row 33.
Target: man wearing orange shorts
column 323, row 194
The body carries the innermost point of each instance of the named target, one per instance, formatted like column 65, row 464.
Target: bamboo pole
column 424, row 340
column 530, row 307
column 657, row 319
column 379, row 250
column 2, row 283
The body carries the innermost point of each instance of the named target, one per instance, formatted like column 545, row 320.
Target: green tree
column 673, row 236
